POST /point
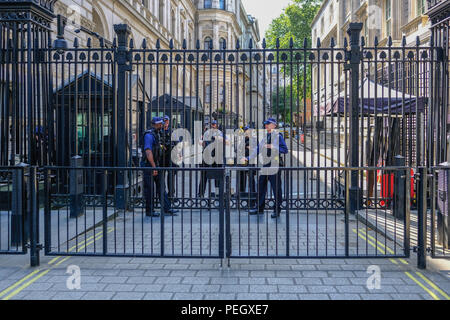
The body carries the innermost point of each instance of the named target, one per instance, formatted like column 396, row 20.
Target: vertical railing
column 354, row 32
column 123, row 67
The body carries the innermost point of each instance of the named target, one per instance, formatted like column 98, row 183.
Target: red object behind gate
column 387, row 189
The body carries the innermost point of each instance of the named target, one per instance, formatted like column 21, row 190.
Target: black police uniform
column 275, row 181
column 247, row 175
column 167, row 160
column 152, row 183
column 205, row 175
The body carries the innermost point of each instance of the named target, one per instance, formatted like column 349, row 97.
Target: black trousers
column 152, row 185
column 249, row 176
column 275, row 182
column 205, row 177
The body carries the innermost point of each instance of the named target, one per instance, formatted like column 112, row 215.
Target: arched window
column 161, row 11
column 221, row 43
column 222, row 4
column 208, row 43
column 208, row 4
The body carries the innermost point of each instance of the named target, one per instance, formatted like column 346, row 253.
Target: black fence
column 223, row 225
column 14, row 214
column 75, row 115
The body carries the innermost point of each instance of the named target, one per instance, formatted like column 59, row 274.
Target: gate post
column 399, row 188
column 34, row 217
column 18, row 234
column 25, row 31
column 122, row 58
column 422, row 219
column 354, row 31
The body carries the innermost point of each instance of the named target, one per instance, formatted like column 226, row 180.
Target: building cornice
column 414, row 24
column 439, row 11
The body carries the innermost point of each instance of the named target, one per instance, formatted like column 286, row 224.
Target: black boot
column 151, row 214
column 275, row 215
column 256, row 211
column 171, row 212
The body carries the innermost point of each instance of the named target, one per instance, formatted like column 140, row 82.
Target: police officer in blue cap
column 277, row 145
column 152, row 157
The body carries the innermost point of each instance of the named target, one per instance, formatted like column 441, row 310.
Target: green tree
column 294, row 24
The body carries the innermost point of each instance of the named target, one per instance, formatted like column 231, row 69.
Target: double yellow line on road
column 383, row 249
column 29, row 279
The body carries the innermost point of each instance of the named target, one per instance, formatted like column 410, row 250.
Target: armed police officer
column 153, row 180
column 209, row 137
column 166, row 134
column 248, row 141
column 274, row 146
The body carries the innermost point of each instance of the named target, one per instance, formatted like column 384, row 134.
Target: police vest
column 156, row 147
column 279, row 158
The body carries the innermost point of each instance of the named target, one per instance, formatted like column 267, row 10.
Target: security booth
column 389, row 118
column 85, row 128
column 183, row 111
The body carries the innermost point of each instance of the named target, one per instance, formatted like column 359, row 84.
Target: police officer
column 250, row 174
column 205, row 176
column 152, row 157
column 278, row 145
column 166, row 134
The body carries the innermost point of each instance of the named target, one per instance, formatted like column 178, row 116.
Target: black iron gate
column 359, row 123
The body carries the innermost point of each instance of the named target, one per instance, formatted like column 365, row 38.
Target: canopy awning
column 376, row 99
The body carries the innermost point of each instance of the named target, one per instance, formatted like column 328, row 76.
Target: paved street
column 309, row 234
column 192, row 279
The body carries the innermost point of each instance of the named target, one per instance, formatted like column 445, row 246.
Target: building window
column 208, row 94
column 222, row 95
column 221, row 42
column 366, row 29
column 173, row 26
column 222, row 4
column 208, row 43
column 161, row 11
column 331, row 13
column 208, row 4
column 388, row 15
column 420, row 7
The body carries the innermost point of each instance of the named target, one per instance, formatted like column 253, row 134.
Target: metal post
column 354, row 32
column 399, row 189
column 76, row 187
column 122, row 58
column 227, row 216
column 222, row 189
column 34, row 218
column 422, row 219
column 18, row 207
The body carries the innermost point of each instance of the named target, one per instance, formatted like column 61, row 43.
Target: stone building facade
column 210, row 22
column 381, row 19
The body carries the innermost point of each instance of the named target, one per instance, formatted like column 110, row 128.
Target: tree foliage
column 294, row 23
